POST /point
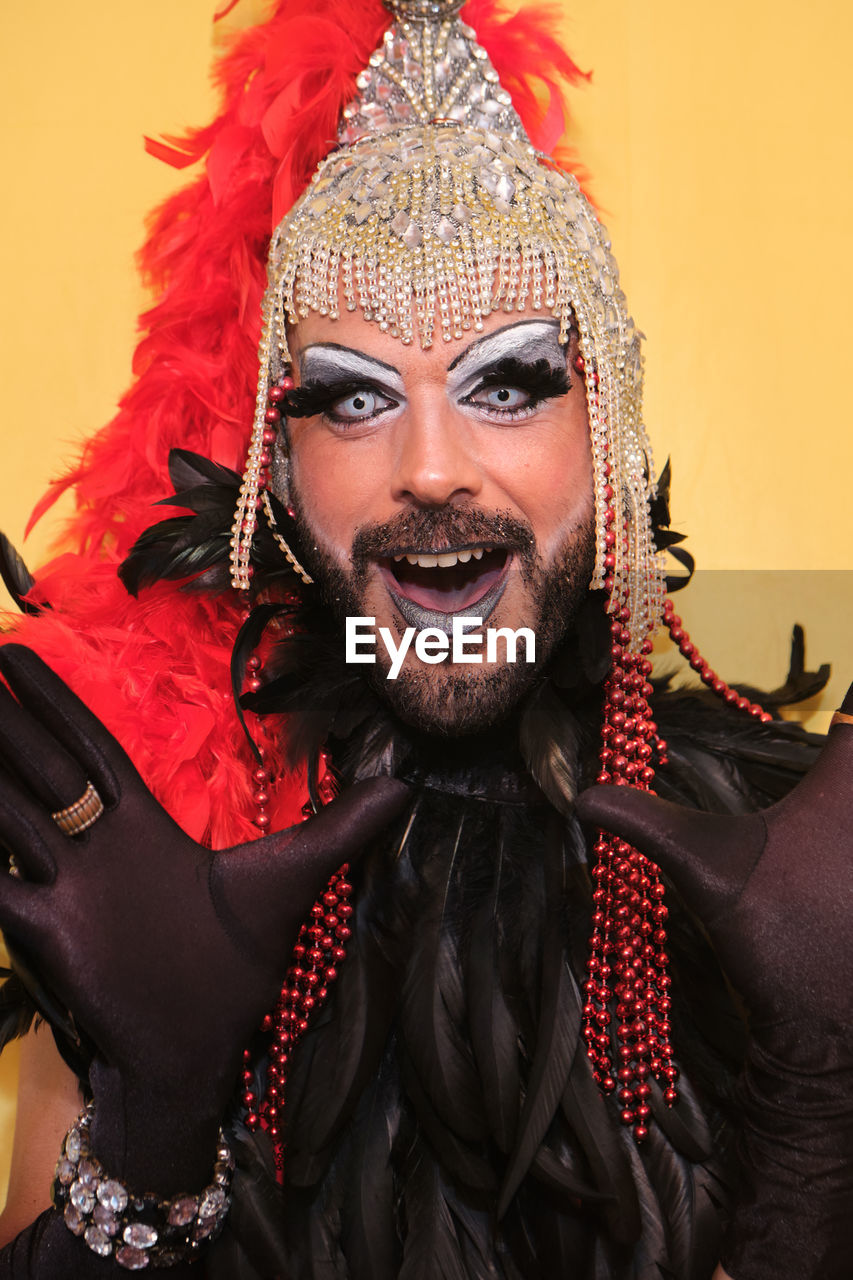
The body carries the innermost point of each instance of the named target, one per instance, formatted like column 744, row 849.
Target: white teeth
column 446, row 560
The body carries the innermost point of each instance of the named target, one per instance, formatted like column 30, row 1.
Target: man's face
column 456, row 480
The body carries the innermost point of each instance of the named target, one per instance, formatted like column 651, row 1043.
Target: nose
column 435, row 462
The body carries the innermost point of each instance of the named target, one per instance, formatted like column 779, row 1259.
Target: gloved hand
column 166, row 955
column 775, row 892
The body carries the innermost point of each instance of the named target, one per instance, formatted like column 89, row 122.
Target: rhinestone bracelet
column 136, row 1230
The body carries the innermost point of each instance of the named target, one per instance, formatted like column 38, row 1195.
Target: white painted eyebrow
column 528, row 339
column 328, row 360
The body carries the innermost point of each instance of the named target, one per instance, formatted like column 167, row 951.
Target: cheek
column 549, row 478
column 333, row 488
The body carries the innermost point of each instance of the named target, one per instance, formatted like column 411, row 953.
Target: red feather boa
column 156, row 670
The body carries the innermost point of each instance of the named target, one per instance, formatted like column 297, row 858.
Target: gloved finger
column 30, row 753
column 708, row 856
column 259, row 886
column 28, row 834
column 52, row 703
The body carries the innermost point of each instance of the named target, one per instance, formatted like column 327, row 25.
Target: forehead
column 532, row 333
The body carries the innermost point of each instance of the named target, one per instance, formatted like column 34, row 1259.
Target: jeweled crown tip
column 423, row 10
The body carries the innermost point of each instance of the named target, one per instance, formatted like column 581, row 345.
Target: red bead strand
column 319, row 951
column 321, row 946
column 707, row 675
column 626, row 1015
column 272, row 418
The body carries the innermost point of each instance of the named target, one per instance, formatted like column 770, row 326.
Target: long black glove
column 166, row 955
column 775, row 891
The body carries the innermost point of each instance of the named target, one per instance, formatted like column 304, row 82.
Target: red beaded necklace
column 318, row 952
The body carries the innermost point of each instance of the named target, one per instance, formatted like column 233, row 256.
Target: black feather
column 16, row 577
column 343, row 1050
column 650, row 1255
column 247, row 640
column 555, row 1167
column 659, row 505
column 333, row 702
column 676, row 1191
column 557, row 1036
column 476, row 1237
column 179, row 547
column 666, row 539
column 197, row 547
column 369, row 1227
column 253, row 1246
column 433, row 1003
column 677, row 582
column 494, row 1032
column 548, row 737
column 432, row 1249
column 464, row 1162
column 724, row 761
column 560, row 1234
column 603, row 1141
column 189, row 470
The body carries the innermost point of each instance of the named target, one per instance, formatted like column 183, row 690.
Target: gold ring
column 80, row 815
column 840, row 717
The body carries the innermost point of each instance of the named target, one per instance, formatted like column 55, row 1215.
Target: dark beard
column 443, row 699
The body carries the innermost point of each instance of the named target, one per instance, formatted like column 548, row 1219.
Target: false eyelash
column 539, row 378
column 317, row 397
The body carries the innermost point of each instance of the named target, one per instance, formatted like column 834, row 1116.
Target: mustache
column 438, row 528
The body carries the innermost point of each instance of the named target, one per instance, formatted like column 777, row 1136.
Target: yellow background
column 719, row 140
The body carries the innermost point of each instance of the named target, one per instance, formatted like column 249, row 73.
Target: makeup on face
column 501, row 376
column 329, row 373
column 457, row 559
column 528, row 342
column 506, row 375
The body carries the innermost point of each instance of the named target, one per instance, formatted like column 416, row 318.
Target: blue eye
column 359, row 406
column 504, row 398
column 513, row 389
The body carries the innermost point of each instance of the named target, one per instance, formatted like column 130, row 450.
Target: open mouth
column 428, row 586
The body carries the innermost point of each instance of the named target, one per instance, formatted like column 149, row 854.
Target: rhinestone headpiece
column 435, row 211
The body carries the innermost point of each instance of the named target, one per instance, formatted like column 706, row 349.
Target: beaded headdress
column 434, row 211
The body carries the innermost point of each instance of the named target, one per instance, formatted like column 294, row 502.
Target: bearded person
column 462, row 1020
